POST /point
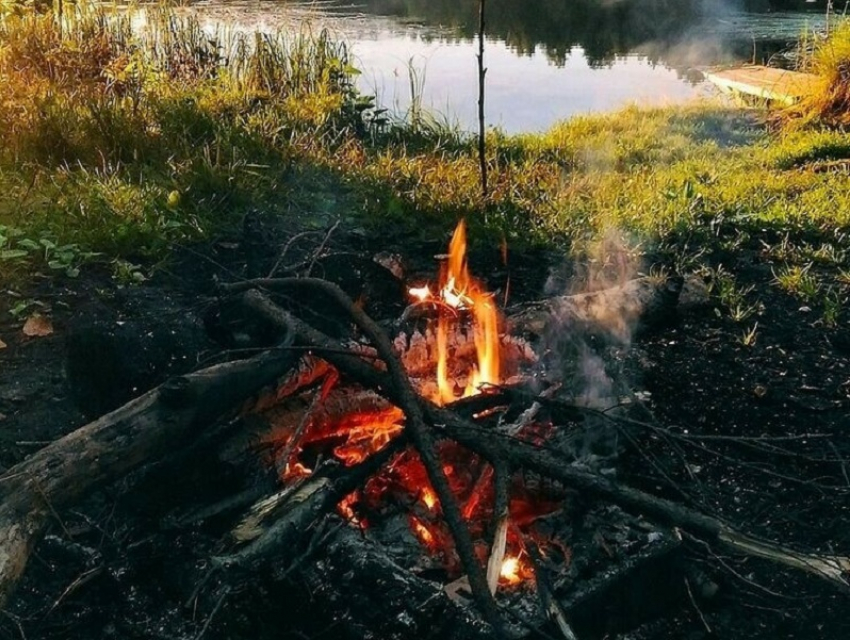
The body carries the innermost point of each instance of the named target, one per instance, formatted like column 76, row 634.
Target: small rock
column 3, row 345
column 37, row 326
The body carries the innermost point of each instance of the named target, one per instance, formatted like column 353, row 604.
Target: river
column 547, row 60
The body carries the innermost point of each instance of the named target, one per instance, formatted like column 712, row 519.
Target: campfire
column 461, row 352
column 427, row 473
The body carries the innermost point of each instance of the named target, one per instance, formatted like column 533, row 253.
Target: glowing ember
column 510, row 571
column 429, row 498
column 366, row 433
column 422, row 532
column 515, row 571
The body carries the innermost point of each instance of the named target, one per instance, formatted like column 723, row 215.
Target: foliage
column 168, row 134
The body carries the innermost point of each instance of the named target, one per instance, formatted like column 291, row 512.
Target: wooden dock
column 766, row 83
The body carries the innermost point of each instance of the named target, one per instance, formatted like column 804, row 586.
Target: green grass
column 120, row 144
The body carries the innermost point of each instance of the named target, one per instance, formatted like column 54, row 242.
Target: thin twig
column 318, row 252
column 696, row 606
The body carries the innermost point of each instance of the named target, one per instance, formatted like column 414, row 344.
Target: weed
column 833, row 305
column 798, row 281
column 749, row 337
column 732, row 296
column 829, row 59
column 125, row 273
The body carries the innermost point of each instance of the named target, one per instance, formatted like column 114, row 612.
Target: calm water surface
column 547, row 59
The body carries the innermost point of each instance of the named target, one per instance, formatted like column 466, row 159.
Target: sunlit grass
column 829, row 59
column 122, row 143
column 103, row 123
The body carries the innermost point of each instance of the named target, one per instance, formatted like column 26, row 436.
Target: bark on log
column 109, row 448
column 615, row 312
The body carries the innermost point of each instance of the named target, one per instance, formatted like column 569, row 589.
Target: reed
column 829, row 58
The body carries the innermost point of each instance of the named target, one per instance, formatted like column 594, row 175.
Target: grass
column 122, row 142
column 118, row 144
column 829, row 59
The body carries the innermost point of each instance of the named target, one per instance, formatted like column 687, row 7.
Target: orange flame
column 458, row 290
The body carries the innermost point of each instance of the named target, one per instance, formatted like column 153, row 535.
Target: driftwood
column 109, row 448
column 615, row 312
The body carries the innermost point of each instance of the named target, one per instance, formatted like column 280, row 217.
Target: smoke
column 587, row 346
column 587, row 350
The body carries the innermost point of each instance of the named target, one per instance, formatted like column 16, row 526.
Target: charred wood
column 109, row 448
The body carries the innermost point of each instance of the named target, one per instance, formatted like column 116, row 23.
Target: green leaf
column 13, row 254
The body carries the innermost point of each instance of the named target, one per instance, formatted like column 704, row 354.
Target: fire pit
column 435, row 475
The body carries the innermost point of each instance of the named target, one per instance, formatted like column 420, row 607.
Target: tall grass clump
column 829, row 59
column 104, row 102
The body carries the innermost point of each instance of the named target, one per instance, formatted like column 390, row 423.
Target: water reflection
column 547, row 59
column 663, row 30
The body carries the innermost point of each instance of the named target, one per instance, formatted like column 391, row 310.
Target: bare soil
column 118, row 568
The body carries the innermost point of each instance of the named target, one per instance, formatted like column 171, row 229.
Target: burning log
column 109, row 448
column 643, row 303
column 501, row 448
column 282, row 520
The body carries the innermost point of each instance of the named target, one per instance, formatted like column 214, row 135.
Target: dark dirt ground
column 114, row 568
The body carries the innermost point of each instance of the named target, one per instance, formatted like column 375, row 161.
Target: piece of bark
column 109, row 448
column 616, row 312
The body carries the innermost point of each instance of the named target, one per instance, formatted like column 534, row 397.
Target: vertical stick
column 60, row 10
column 482, row 72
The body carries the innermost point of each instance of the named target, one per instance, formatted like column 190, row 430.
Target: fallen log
column 615, row 312
column 109, row 448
